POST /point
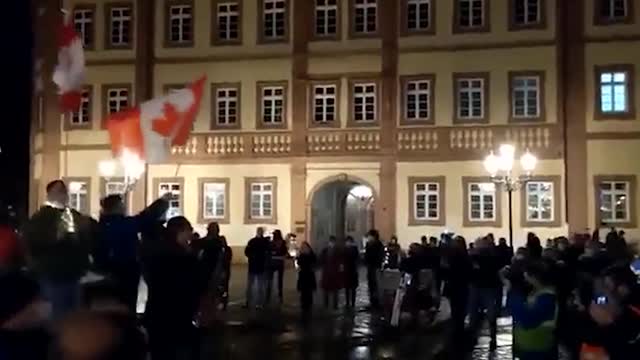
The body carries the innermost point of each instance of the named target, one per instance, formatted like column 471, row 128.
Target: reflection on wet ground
column 278, row 333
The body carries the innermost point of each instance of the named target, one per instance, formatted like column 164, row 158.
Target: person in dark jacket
column 457, row 273
column 333, row 275
column 306, row 286
column 118, row 245
column 534, row 247
column 176, row 287
column 227, row 258
column 351, row 261
column 258, row 253
column 59, row 240
column 486, row 288
column 279, row 253
column 504, row 252
column 393, row 254
column 373, row 259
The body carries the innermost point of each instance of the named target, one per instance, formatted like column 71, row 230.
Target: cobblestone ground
column 277, row 332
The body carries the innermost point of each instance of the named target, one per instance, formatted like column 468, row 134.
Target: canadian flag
column 69, row 73
column 153, row 127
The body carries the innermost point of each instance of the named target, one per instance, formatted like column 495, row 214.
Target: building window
column 365, row 17
column 226, row 105
column 326, row 20
column 79, row 195
column 82, row 117
column 179, row 23
column 614, row 91
column 482, row 202
column 613, row 11
column 175, row 200
column 471, row 15
column 526, row 13
column 526, row 96
column 274, row 20
column 427, row 201
column 471, row 98
column 364, row 99
column 325, row 104
column 614, row 201
column 117, row 99
column 120, row 26
column 114, row 188
column 540, row 201
column 273, row 105
column 83, row 21
column 417, row 99
column 418, row 15
column 261, row 200
column 227, row 18
column 214, row 200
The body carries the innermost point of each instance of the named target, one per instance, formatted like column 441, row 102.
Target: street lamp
column 500, row 167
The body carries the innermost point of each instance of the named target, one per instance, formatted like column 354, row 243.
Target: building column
column 144, row 71
column 385, row 207
column 571, row 50
column 48, row 16
column 302, row 15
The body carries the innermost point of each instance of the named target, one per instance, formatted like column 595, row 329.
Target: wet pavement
column 278, row 333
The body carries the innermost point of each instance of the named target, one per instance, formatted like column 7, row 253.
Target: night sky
column 17, row 78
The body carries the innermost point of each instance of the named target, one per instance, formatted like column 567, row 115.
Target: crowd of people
column 579, row 294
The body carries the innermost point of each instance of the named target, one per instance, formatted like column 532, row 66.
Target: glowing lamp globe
column 491, row 164
column 75, row 187
column 107, row 168
column 528, row 161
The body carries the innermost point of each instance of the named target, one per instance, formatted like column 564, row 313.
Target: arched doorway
column 340, row 206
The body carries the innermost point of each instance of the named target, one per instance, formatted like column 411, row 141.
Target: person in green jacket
column 58, row 241
column 535, row 315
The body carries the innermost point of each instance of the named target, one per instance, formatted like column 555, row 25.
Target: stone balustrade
column 457, row 141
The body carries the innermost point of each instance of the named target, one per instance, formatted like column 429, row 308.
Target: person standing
column 176, row 286
column 119, row 243
column 279, row 252
column 457, row 274
column 333, row 275
column 58, row 241
column 258, row 253
column 227, row 257
column 306, row 261
column 373, row 258
column 486, row 288
column 351, row 262
column 393, row 254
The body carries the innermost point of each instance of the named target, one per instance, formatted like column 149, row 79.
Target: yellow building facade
column 404, row 97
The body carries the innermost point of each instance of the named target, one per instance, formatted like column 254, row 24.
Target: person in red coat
column 333, row 271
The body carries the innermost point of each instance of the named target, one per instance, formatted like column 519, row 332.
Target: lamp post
column 500, row 167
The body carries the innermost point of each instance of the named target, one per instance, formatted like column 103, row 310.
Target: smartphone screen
column 602, row 300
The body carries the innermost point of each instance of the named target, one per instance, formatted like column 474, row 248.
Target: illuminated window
column 261, row 200
column 471, row 98
column 540, row 201
column 180, row 24
column 614, row 92
column 365, row 16
column 525, row 97
column 326, row 17
column 273, row 102
column 83, row 115
column 120, row 26
column 226, row 106
column 324, row 103
column 364, row 102
column 228, row 17
column 84, row 26
column 78, row 196
column 417, row 100
column 482, row 201
column 426, row 201
column 614, row 201
column 214, row 202
column 175, row 201
column 274, row 17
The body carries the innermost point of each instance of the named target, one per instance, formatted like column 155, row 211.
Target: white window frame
column 120, row 96
column 175, row 203
column 360, row 92
column 413, row 96
column 272, row 16
column 610, row 7
column 426, row 193
column 261, row 193
column 612, row 193
column 418, row 19
column 83, row 115
column 465, row 87
column 83, row 18
column 470, row 24
column 484, row 189
column 117, row 24
column 526, row 4
column 271, row 112
column 184, row 19
column 324, row 11
column 369, row 8
column 79, row 199
column 611, row 87
column 229, row 16
column 527, row 91
column 323, row 109
column 110, row 187
column 226, row 102
column 210, row 195
column 543, row 190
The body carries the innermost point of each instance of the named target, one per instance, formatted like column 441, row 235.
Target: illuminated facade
column 404, row 96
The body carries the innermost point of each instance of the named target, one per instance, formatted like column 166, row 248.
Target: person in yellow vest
column 535, row 315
